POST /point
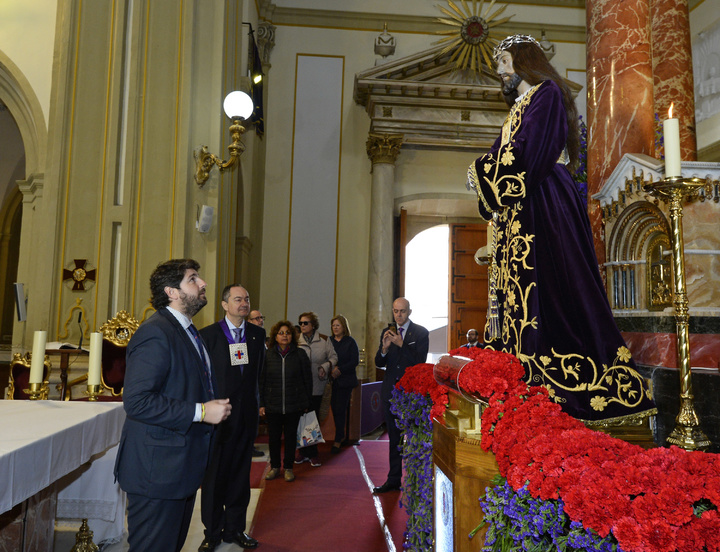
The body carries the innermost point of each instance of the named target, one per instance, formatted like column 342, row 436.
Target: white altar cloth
column 41, row 441
column 90, row 492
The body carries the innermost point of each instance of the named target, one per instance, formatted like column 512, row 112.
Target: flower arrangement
column 592, row 491
column 417, row 397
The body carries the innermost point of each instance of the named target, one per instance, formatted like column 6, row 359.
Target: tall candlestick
column 38, row 357
column 95, row 358
column 671, row 135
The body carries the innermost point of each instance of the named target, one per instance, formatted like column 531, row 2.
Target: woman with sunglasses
column 285, row 390
column 323, row 359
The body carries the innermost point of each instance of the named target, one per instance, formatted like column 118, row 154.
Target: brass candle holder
column 93, row 392
column 37, row 391
column 673, row 190
column 84, row 539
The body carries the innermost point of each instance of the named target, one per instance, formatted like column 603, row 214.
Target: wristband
column 202, row 413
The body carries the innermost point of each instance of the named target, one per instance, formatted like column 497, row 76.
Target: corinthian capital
column 265, row 41
column 383, row 148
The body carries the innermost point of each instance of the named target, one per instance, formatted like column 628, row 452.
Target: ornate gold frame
column 26, row 360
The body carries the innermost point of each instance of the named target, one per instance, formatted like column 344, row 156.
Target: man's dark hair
column 168, row 274
column 226, row 291
column 530, row 63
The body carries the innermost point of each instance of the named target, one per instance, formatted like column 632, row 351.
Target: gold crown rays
column 470, row 36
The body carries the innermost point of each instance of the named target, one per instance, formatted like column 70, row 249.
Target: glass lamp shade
column 238, row 105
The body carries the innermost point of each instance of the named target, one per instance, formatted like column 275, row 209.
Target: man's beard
column 510, row 85
column 192, row 304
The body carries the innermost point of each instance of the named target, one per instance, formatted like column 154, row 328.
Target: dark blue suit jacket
column 162, row 453
column 414, row 351
column 240, row 386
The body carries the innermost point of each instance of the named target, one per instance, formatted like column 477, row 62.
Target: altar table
column 42, row 441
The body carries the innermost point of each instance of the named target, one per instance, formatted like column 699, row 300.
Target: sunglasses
column 304, row 322
column 284, row 333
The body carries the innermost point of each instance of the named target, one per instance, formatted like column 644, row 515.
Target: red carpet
column 331, row 508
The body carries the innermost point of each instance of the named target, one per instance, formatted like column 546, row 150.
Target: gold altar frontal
column 462, row 471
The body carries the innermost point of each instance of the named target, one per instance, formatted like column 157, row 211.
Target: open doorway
column 446, row 287
column 426, row 284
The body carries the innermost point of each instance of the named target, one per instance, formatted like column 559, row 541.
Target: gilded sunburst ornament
column 470, row 36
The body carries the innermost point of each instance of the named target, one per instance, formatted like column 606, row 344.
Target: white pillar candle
column 671, row 135
column 95, row 358
column 38, row 357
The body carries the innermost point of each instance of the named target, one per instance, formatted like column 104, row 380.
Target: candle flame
column 670, row 110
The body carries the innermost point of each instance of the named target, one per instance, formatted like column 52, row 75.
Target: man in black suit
column 169, row 399
column 472, row 337
column 402, row 344
column 237, row 349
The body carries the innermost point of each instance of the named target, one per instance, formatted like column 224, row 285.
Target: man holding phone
column 402, row 344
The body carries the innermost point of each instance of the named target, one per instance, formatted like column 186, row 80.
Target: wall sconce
column 238, row 106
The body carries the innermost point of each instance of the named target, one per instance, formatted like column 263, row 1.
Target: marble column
column 382, row 149
column 673, row 70
column 620, row 93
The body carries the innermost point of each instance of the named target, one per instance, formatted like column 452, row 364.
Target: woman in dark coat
column 343, row 376
column 285, row 391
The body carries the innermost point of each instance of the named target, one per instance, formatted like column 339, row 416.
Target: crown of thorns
column 509, row 41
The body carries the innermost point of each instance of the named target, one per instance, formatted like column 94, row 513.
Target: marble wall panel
column 666, row 391
column 660, row 349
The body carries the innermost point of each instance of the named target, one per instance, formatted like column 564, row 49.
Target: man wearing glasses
column 237, row 350
column 256, row 318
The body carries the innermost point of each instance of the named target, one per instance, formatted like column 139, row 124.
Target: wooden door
column 468, row 283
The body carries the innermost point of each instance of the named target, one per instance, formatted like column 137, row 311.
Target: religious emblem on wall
column 470, row 36
column 79, row 275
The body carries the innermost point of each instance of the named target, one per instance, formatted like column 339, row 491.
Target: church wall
column 134, row 95
column 27, row 35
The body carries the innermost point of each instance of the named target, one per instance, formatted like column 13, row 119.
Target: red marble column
column 673, row 71
column 620, row 93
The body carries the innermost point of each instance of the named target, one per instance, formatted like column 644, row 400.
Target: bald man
column 402, row 344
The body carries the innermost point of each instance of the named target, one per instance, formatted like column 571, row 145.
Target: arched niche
column 638, row 247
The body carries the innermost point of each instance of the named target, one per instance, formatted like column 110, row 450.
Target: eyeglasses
column 284, row 333
column 258, row 318
column 304, row 322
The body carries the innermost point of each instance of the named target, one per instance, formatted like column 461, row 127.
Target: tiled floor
column 65, row 540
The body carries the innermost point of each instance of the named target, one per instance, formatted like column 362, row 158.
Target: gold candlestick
column 93, row 392
column 687, row 433
column 37, row 391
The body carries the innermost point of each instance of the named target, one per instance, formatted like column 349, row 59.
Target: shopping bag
column 308, row 431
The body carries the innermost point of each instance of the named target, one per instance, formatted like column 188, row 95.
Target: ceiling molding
column 397, row 23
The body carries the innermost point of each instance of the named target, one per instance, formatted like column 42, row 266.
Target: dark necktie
column 201, row 349
column 401, row 331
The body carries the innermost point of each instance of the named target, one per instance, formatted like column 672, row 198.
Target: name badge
column 238, row 354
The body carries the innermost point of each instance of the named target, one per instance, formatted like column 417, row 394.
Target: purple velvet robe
column 553, row 310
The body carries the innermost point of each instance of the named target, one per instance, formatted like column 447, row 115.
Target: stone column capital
column 265, row 41
column 383, row 148
column 31, row 188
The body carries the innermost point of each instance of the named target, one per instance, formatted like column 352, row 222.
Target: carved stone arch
column 19, row 97
column 639, row 234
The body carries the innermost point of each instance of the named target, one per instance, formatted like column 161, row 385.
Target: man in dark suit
column 472, row 337
column 237, row 349
column 402, row 344
column 169, row 399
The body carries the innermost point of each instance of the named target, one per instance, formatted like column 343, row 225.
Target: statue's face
column 510, row 79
